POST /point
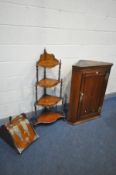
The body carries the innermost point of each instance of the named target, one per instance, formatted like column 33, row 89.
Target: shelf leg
column 61, row 89
column 35, row 110
column 59, row 73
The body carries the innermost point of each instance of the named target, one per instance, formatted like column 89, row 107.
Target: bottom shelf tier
column 48, row 117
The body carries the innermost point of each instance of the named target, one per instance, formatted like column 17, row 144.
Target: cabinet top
column 90, row 63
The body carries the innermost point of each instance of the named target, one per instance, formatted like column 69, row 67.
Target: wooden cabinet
column 88, row 86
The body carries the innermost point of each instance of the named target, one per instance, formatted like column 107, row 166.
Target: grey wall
column 71, row 29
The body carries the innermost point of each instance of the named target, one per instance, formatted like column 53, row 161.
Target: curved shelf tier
column 48, row 117
column 48, row 83
column 48, row 100
column 47, row 60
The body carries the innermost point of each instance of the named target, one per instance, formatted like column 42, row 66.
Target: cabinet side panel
column 74, row 95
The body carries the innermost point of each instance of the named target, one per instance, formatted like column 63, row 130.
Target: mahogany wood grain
column 88, row 86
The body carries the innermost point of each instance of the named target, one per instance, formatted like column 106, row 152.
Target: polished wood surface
column 88, row 86
column 48, row 82
column 47, row 60
column 48, row 100
column 48, row 117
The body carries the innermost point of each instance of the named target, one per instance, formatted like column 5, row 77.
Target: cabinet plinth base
column 48, row 117
column 84, row 120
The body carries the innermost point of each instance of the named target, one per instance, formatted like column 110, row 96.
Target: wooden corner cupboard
column 88, row 86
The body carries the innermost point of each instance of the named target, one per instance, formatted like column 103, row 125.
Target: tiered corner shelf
column 48, row 61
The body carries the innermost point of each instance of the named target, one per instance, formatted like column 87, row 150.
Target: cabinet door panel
column 92, row 91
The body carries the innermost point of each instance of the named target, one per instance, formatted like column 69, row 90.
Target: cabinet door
column 92, row 93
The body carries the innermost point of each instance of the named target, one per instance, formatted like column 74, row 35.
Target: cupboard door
column 92, row 92
column 74, row 95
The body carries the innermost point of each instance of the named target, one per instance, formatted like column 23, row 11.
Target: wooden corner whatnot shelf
column 48, row 61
